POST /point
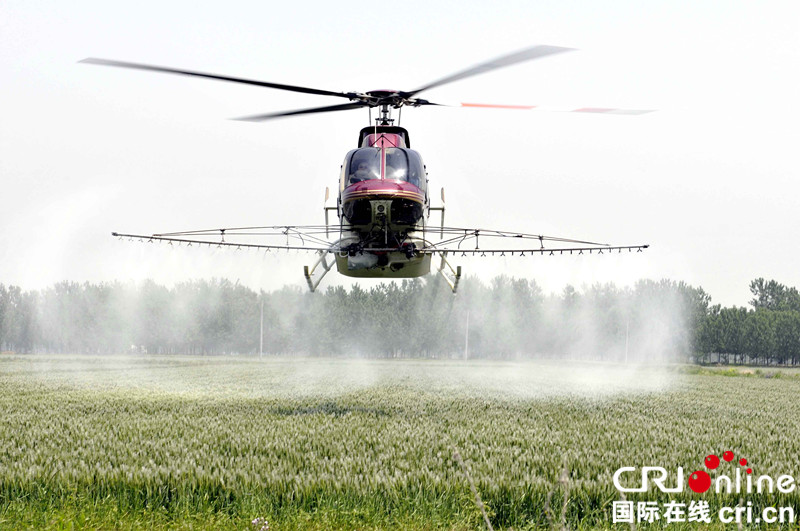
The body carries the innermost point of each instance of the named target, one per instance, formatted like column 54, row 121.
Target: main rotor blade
column 343, row 107
column 591, row 110
column 527, row 54
column 166, row 70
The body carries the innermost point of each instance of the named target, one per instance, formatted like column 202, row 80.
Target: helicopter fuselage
column 382, row 206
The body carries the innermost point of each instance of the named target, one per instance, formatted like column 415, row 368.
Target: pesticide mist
column 502, row 338
column 315, row 378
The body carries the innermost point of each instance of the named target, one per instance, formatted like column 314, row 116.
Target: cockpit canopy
column 391, row 164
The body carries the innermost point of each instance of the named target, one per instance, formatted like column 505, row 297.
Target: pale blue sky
column 710, row 180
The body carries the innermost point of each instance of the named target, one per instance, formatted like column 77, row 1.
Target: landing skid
column 450, row 275
column 317, row 273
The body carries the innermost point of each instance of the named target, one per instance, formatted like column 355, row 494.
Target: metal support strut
column 452, row 276
column 314, row 277
column 441, row 208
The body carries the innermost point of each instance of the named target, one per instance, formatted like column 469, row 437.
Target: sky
column 709, row 180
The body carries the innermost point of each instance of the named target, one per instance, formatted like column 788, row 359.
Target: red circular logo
column 728, row 456
column 699, row 481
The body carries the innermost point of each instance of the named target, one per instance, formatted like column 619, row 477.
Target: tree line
column 506, row 318
column 766, row 334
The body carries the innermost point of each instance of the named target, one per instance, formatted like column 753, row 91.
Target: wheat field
column 137, row 442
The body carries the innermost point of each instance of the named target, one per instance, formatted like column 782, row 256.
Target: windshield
column 403, row 165
column 392, row 164
column 364, row 165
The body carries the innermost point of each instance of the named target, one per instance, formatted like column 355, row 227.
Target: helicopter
column 383, row 203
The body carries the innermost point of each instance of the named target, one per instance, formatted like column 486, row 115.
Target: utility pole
column 261, row 337
column 627, row 325
column 466, row 339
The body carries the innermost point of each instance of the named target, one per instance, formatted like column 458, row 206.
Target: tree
column 759, row 334
column 771, row 295
column 787, row 337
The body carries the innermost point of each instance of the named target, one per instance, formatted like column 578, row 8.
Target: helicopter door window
column 365, row 165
